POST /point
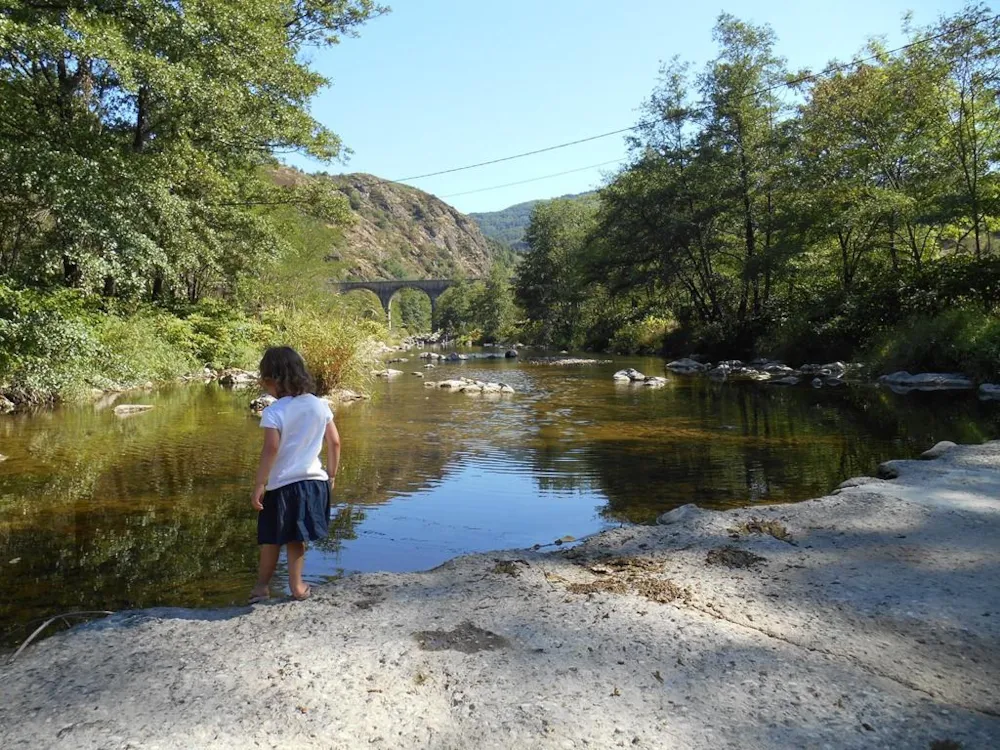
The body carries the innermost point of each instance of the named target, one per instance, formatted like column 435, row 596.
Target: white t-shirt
column 302, row 421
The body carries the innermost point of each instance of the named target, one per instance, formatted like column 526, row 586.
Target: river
column 99, row 512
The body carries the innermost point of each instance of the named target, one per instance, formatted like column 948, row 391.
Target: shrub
column 47, row 343
column 961, row 340
column 144, row 347
column 644, row 336
column 339, row 352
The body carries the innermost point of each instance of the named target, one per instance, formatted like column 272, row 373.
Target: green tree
column 133, row 136
column 550, row 283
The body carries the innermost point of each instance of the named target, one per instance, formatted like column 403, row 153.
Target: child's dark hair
column 285, row 367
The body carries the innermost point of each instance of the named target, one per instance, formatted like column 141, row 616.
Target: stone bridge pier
column 386, row 290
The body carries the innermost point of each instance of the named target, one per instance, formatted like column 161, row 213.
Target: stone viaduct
column 386, row 290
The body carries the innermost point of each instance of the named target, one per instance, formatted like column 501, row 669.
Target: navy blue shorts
column 297, row 512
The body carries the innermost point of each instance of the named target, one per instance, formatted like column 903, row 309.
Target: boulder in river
column 417, row 374
column 388, row 373
column 511, row 354
column 719, row 372
column 750, row 374
column 629, row 375
column 6, row 405
column 234, row 378
column 928, row 381
column 655, row 382
column 468, row 385
column 686, row 366
column 938, row 450
column 261, row 402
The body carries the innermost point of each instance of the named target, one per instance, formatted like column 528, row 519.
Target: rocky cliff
column 400, row 232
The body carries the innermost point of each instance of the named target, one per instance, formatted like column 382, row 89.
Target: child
column 292, row 492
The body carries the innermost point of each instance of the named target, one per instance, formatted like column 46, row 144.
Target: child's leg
column 296, row 562
column 268, row 562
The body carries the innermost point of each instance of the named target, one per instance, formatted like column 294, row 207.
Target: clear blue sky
column 443, row 83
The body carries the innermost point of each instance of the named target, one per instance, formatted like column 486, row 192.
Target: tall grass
column 339, row 351
column 961, row 340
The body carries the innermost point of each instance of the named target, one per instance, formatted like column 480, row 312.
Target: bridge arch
column 386, row 290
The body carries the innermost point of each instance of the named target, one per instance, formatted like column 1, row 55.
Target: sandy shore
column 877, row 624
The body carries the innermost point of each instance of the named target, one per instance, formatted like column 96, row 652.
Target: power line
column 533, row 179
column 766, row 89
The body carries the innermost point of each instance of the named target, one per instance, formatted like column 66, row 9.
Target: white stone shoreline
column 878, row 625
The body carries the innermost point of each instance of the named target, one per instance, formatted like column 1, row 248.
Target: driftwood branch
column 63, row 616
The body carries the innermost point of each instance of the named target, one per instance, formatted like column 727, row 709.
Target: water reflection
column 100, row 512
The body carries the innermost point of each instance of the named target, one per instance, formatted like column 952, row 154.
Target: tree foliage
column 766, row 209
column 133, row 137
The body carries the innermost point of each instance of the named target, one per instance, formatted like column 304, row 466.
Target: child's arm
column 332, row 437
column 269, row 452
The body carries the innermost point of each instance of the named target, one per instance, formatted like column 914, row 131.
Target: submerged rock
column 654, row 382
column 390, row 373
column 986, row 390
column 929, row 381
column 127, row 410
column 787, row 380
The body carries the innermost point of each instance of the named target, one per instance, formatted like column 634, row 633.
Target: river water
column 98, row 512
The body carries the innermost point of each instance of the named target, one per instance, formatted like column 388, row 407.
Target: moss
column 763, row 526
column 655, row 589
column 733, row 557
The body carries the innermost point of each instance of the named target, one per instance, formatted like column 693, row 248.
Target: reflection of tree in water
column 723, row 445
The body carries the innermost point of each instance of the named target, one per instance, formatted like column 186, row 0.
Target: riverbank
column 876, row 623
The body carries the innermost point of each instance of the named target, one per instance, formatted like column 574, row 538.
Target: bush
column 47, row 344
column 645, row 336
column 144, row 347
column 962, row 340
column 221, row 336
column 338, row 352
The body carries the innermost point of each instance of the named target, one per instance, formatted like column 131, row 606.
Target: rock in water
column 6, row 405
column 927, row 381
column 686, row 366
column 234, row 378
column 677, row 515
column 788, row 380
column 630, row 375
column 388, row 373
column 511, row 354
column 261, row 402
column 938, row 450
column 125, row 410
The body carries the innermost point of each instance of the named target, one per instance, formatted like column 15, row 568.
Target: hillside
column 399, row 232
column 510, row 224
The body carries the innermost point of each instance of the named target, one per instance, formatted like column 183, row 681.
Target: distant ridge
column 509, row 225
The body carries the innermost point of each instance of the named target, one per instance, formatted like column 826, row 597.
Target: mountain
column 509, row 225
column 399, row 232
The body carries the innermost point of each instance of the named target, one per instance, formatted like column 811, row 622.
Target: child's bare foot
column 259, row 594
column 302, row 594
